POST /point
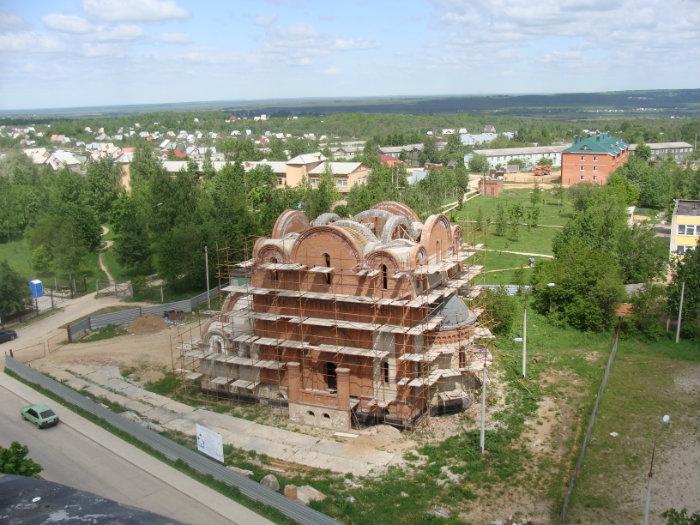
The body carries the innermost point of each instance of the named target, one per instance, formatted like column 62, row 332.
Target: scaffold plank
column 321, row 269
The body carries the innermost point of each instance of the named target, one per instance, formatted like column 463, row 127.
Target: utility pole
column 206, row 269
column 482, row 435
column 524, row 341
column 647, row 500
column 680, row 313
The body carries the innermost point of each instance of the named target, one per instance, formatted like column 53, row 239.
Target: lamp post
column 549, row 295
column 647, row 501
column 523, row 340
column 206, row 271
column 482, row 435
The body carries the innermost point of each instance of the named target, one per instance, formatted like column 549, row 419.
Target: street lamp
column 647, row 502
column 549, row 295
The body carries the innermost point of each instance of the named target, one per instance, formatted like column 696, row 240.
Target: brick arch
column 311, row 245
column 288, row 222
column 397, row 208
column 437, row 236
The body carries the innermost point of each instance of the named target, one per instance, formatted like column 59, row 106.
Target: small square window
column 595, row 177
column 595, row 157
column 582, row 168
column 595, row 168
column 681, row 229
column 583, row 158
column 582, row 177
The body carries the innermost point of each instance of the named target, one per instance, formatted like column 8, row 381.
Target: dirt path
column 544, row 255
column 100, row 258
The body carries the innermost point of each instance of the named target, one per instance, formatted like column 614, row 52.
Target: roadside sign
column 210, row 443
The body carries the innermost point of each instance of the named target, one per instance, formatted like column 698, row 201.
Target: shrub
column 500, row 308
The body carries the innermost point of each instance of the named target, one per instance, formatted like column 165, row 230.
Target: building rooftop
column 531, row 150
column 662, row 145
column 687, row 207
column 602, row 143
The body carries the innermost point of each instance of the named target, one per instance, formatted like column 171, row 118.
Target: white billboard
column 210, row 443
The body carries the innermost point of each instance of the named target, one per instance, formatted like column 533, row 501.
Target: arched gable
column 437, row 236
column 397, row 208
column 289, row 221
column 312, row 245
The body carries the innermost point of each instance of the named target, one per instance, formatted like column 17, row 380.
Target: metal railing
column 174, row 451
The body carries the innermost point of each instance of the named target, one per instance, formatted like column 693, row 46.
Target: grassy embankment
column 19, row 256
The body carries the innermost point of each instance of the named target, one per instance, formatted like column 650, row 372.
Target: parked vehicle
column 41, row 415
column 7, row 335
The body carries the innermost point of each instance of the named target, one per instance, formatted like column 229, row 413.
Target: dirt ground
column 146, row 351
column 547, row 437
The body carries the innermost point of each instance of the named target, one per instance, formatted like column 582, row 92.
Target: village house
column 685, row 226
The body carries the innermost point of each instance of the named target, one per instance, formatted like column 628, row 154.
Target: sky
column 71, row 53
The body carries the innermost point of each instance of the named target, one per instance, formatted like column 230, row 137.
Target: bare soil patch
column 146, row 324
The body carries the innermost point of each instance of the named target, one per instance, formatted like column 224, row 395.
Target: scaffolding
column 272, row 313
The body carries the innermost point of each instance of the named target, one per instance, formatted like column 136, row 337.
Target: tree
column 478, row 164
column 587, row 288
column 14, row 291
column 648, row 312
column 641, row 254
column 479, row 222
column 545, row 162
column 14, row 460
column 533, row 217
column 131, row 242
column 102, row 186
column 643, row 151
column 320, row 200
column 515, row 216
column 500, row 309
column 500, row 220
column 625, row 186
column 536, row 195
column 686, row 270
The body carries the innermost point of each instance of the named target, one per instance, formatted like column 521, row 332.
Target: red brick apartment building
column 592, row 159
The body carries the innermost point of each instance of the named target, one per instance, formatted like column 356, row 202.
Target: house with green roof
column 592, row 159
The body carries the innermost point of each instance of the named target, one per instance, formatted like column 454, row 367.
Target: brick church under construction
column 348, row 322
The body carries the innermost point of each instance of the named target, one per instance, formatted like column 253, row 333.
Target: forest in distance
column 563, row 105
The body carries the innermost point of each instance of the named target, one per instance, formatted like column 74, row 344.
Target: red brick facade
column 594, row 168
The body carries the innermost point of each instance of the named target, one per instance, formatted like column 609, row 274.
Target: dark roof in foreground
column 30, row 501
column 687, row 207
column 601, row 143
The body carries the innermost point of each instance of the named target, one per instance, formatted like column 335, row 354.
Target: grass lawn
column 500, row 261
column 647, row 380
column 536, row 240
column 18, row 255
column 550, row 211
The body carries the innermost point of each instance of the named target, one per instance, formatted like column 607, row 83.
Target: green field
column 550, row 211
column 18, row 255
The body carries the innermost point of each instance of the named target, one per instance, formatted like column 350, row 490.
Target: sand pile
column 146, row 324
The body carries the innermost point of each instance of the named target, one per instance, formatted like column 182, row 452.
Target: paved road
column 71, row 458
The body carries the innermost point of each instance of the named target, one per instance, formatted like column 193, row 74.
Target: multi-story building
column 349, row 320
column 592, row 159
column 529, row 155
column 685, row 226
column 678, row 151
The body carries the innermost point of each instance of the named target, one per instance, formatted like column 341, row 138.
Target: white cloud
column 331, row 71
column 135, row 10
column 94, row 50
column 265, row 20
column 67, row 23
column 30, row 42
column 121, row 32
column 175, row 38
column 11, row 22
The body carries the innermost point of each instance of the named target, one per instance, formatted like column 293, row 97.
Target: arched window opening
column 329, row 277
column 385, row 372
column 275, row 275
column 385, row 277
column 310, row 413
column 331, row 376
column 326, row 416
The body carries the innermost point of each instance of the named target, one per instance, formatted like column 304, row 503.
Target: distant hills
column 661, row 102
